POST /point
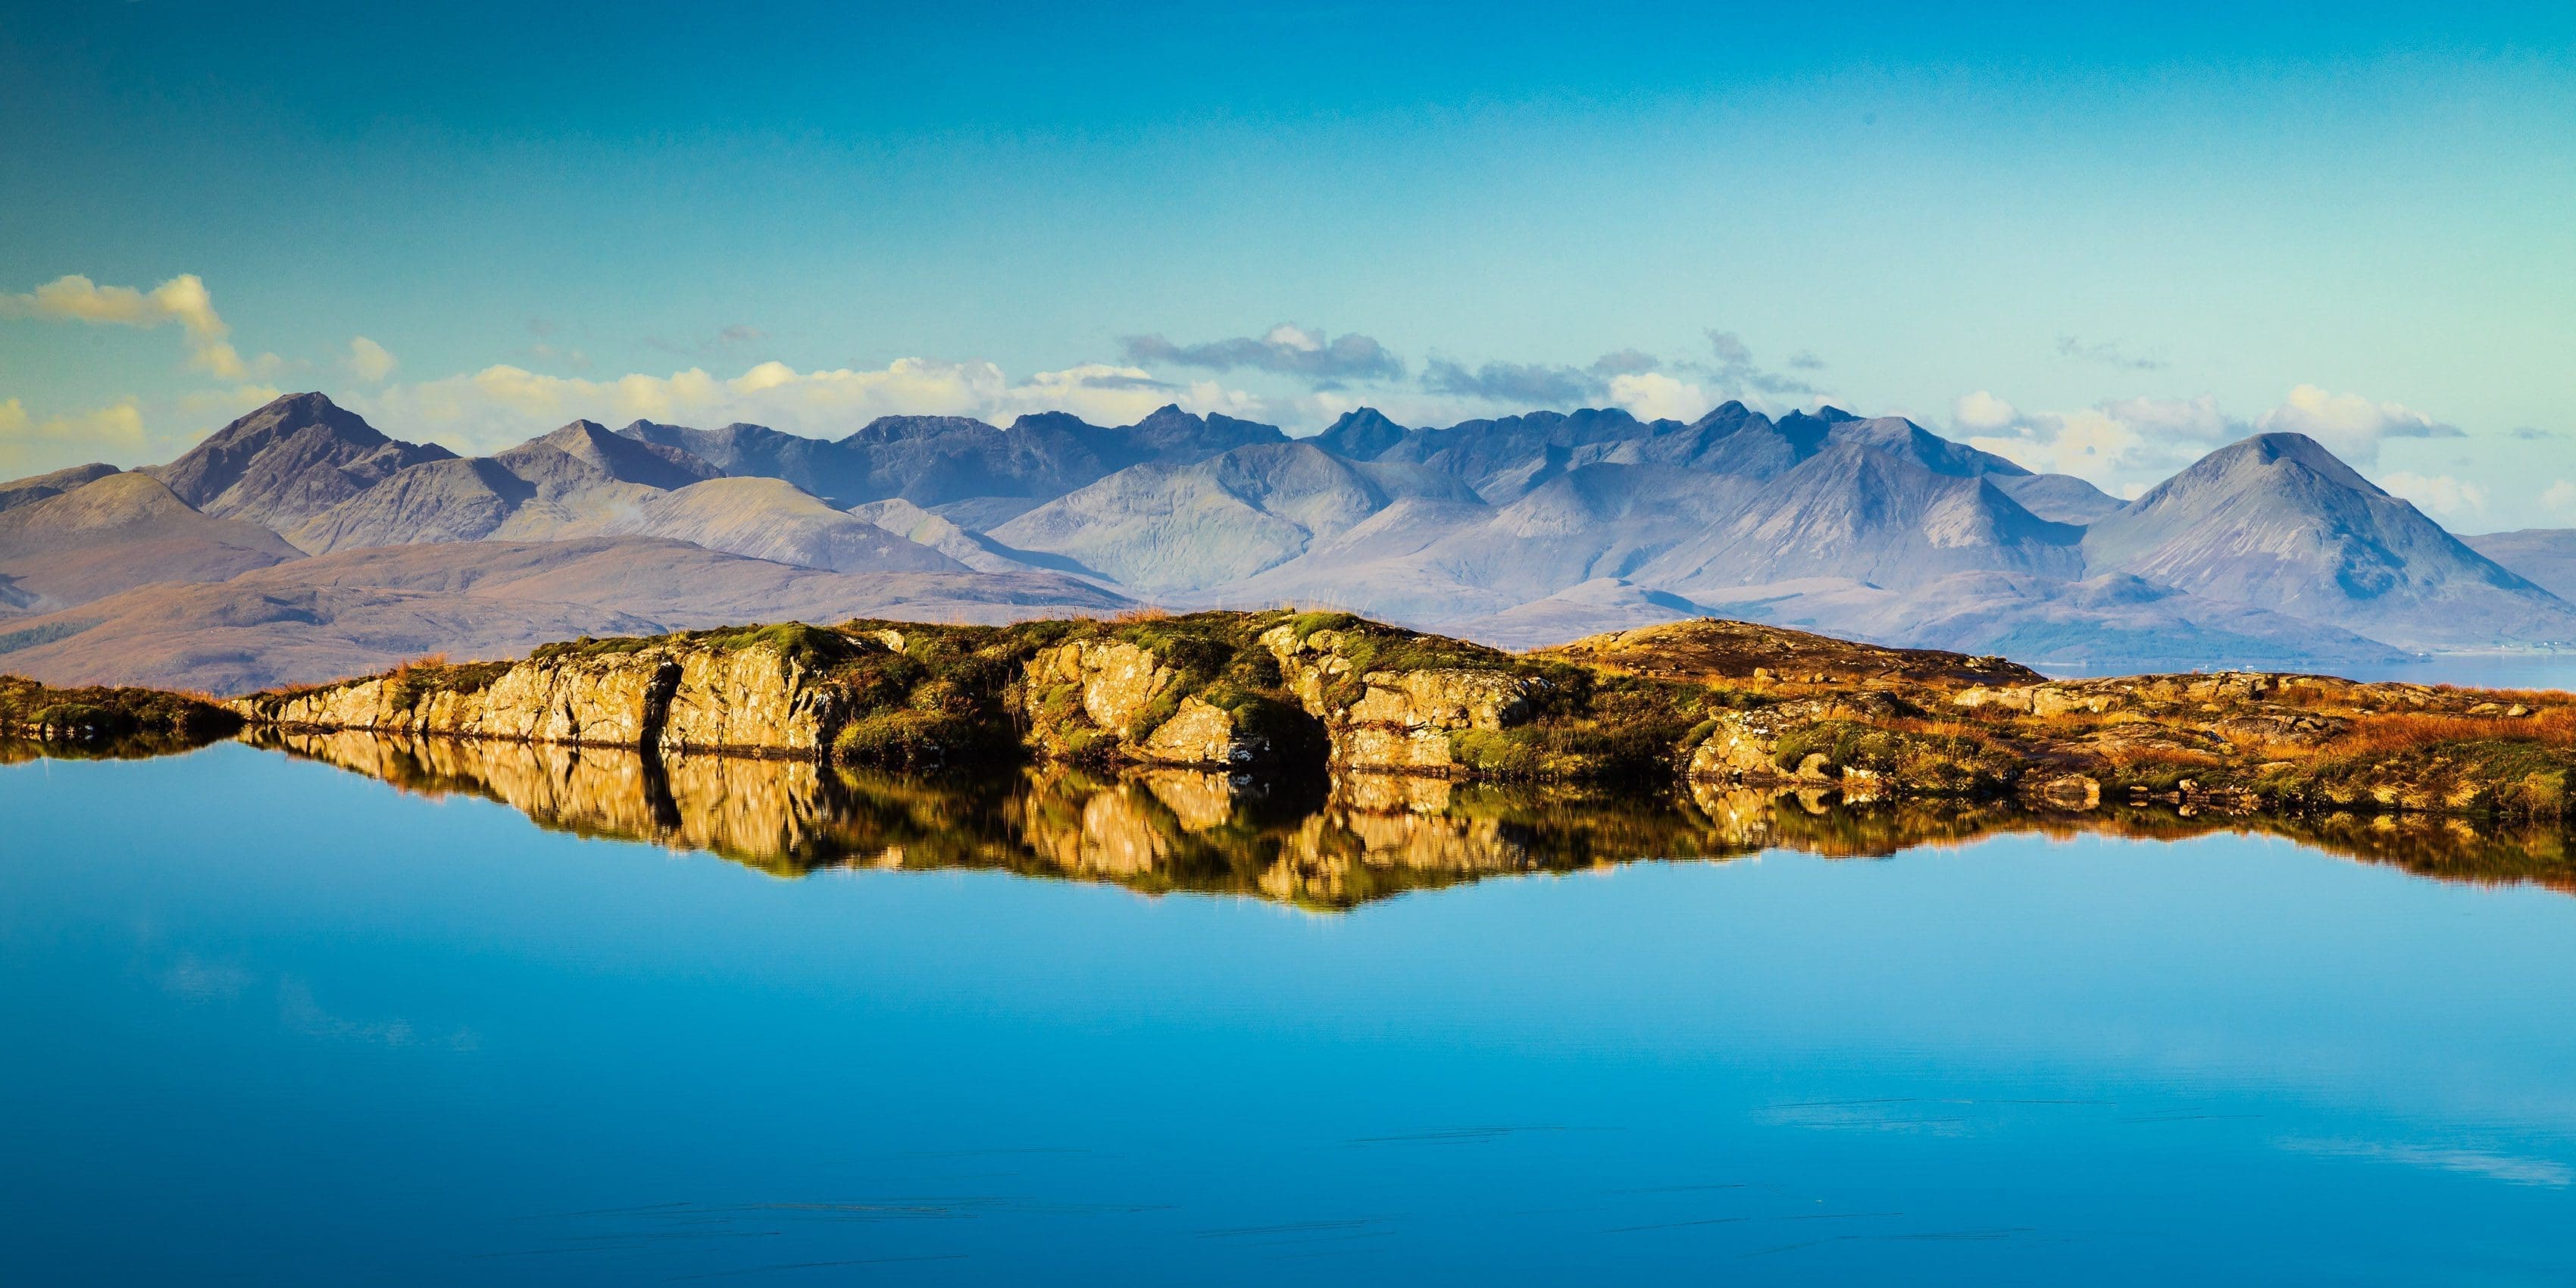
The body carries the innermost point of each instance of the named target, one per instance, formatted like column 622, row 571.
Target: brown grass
column 2382, row 735
column 2141, row 756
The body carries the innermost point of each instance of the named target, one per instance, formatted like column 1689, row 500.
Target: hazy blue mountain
column 938, row 532
column 297, row 456
column 1504, row 458
column 2269, row 551
column 946, row 460
column 622, row 459
column 1180, row 527
column 1884, row 517
column 2546, row 557
column 1361, row 435
column 578, row 473
column 2276, row 520
column 770, row 519
column 1855, row 512
column 2060, row 498
column 817, row 465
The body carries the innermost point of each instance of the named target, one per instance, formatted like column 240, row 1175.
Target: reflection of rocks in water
column 1329, row 845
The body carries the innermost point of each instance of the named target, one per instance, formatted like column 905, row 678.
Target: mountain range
column 299, row 542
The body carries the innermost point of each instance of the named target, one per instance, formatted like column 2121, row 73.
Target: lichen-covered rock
column 612, row 699
column 1200, row 733
column 1118, row 681
column 753, row 698
column 756, row 698
column 1442, row 699
column 1395, row 721
column 1737, row 750
column 2008, row 699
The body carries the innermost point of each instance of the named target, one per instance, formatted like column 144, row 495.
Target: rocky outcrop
column 1270, row 694
column 754, row 699
column 1395, row 720
column 1114, row 682
column 1105, row 700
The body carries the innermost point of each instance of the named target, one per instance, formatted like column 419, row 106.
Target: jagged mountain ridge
column 291, row 459
column 1869, row 527
column 936, row 461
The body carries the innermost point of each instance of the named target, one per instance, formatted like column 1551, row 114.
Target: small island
column 1284, row 693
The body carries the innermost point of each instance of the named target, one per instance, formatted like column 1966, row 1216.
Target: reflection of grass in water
column 1316, row 845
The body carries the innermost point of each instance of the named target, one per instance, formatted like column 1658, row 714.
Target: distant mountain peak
column 2295, row 448
column 1362, row 434
column 291, row 458
column 2279, row 521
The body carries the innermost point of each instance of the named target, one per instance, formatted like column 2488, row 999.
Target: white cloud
column 1650, row 395
column 183, row 300
column 2439, row 493
column 2121, row 444
column 2560, row 496
column 1290, row 336
column 28, row 445
column 2118, row 445
column 1982, row 411
column 500, row 405
column 368, row 360
column 2350, row 425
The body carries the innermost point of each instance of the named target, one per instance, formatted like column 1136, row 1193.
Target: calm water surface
column 269, row 1021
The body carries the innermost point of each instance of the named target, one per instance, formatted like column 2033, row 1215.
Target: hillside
column 363, row 610
column 121, row 531
column 2546, row 557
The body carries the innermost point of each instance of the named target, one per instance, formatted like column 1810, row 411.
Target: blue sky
column 2102, row 241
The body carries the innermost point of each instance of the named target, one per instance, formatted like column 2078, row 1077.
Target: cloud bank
column 1287, row 350
column 183, row 300
column 501, row 405
column 2127, row 443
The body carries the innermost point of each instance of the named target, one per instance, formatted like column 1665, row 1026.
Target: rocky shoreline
column 1283, row 693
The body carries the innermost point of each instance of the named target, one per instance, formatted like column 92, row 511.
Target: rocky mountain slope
column 932, row 461
column 1159, row 527
column 297, row 456
column 535, row 491
column 769, row 519
column 2277, row 520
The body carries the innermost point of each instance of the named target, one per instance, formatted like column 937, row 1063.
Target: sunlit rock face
column 1397, row 721
column 756, row 697
column 1358, row 838
column 753, row 698
column 1108, row 699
